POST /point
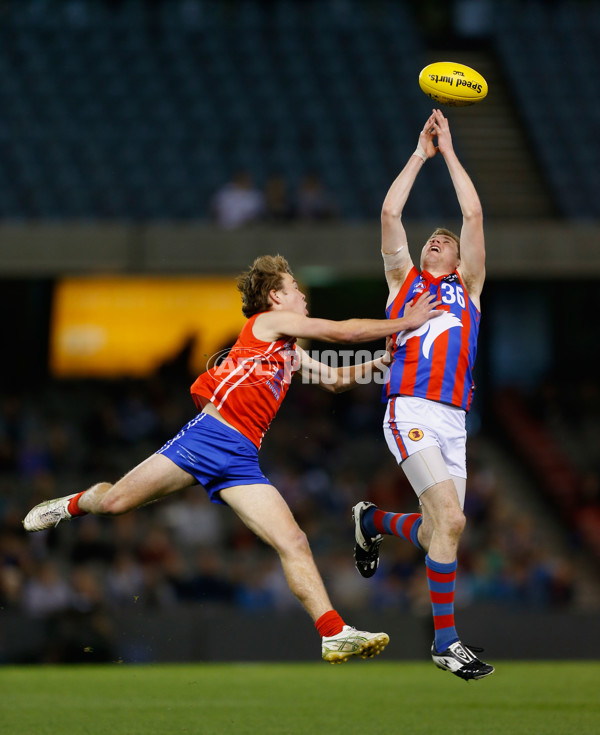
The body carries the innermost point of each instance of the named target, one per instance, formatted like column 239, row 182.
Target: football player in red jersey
column 430, row 388
column 218, row 448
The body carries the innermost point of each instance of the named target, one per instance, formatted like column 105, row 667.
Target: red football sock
column 330, row 623
column 73, row 508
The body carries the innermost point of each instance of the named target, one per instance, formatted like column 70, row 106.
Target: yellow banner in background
column 130, row 326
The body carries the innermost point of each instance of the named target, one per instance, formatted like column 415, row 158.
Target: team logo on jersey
column 421, row 286
column 432, row 329
column 276, row 382
column 415, row 434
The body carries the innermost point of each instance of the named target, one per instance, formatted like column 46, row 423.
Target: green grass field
column 356, row 698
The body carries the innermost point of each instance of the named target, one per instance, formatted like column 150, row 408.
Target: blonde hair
column 255, row 284
column 447, row 233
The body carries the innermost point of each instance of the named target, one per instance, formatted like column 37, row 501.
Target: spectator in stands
column 208, row 581
column 11, row 587
column 429, row 390
column 238, row 202
column 124, row 581
column 278, row 206
column 194, row 521
column 314, row 201
column 46, row 593
column 83, row 632
column 91, row 545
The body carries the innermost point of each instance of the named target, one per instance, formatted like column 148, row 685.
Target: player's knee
column 295, row 543
column 455, row 523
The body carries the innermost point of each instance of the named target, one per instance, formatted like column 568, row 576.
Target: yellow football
column 453, row 84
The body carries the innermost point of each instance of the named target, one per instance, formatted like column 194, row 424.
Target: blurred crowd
column 241, row 201
column 558, row 425
column 324, row 453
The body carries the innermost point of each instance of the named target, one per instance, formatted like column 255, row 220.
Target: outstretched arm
column 394, row 245
column 472, row 242
column 339, row 379
column 273, row 325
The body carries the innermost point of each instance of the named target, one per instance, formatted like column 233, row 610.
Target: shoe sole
column 368, row 649
column 368, row 572
column 465, row 678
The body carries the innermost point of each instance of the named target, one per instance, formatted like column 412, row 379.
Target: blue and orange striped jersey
column 436, row 360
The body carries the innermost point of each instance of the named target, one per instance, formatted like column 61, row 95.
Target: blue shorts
column 217, row 456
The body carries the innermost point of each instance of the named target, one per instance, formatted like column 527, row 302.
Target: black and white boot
column 366, row 548
column 461, row 661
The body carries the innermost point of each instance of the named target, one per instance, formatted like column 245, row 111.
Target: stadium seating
column 133, row 109
column 561, row 479
column 550, row 53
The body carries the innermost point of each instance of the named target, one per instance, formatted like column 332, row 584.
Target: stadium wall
column 212, row 633
column 535, row 249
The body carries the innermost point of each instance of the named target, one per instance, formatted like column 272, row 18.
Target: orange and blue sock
column 403, row 525
column 441, row 579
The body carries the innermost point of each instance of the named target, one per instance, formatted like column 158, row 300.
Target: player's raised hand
column 441, row 127
column 426, row 137
column 420, row 310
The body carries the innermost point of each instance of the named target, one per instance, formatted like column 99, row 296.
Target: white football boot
column 48, row 514
column 351, row 642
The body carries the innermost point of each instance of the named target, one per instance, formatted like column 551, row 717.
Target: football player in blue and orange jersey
column 430, row 388
column 218, row 448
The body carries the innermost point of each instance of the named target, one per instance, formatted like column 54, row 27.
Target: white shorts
column 412, row 425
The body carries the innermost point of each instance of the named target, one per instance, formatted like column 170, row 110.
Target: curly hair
column 264, row 275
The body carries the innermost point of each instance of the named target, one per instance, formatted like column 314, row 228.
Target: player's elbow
column 473, row 213
column 390, row 213
column 328, row 382
column 345, row 332
column 331, row 387
column 340, row 385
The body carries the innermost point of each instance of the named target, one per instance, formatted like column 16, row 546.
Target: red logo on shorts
column 415, row 434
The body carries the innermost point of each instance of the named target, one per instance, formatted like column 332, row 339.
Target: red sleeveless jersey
column 248, row 387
